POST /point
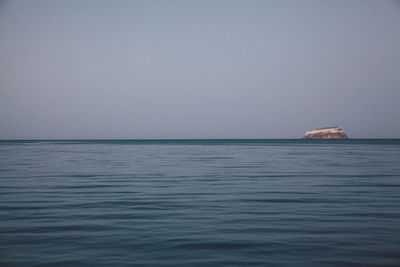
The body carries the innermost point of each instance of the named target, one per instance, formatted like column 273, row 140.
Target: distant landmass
column 326, row 133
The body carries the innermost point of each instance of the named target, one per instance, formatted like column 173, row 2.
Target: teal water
column 200, row 203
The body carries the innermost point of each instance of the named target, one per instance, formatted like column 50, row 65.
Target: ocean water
column 200, row 203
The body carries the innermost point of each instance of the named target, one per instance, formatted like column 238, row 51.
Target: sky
column 146, row 69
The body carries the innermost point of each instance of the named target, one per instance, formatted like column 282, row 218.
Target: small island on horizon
column 326, row 133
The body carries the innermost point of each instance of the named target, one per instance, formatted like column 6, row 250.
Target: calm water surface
column 200, row 202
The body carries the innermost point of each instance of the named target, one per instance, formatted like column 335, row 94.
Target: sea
column 200, row 202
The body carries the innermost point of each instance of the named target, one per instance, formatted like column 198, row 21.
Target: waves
column 201, row 202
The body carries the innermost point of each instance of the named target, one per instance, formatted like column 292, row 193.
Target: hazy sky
column 198, row 69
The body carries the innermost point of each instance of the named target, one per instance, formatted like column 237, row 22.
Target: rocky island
column 326, row 133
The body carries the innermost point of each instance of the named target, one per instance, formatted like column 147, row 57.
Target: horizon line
column 186, row 139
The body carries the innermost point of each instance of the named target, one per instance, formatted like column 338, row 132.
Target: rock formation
column 326, row 133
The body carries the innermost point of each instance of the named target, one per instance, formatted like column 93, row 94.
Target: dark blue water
column 200, row 202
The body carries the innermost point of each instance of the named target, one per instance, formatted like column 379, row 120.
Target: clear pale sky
column 198, row 69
